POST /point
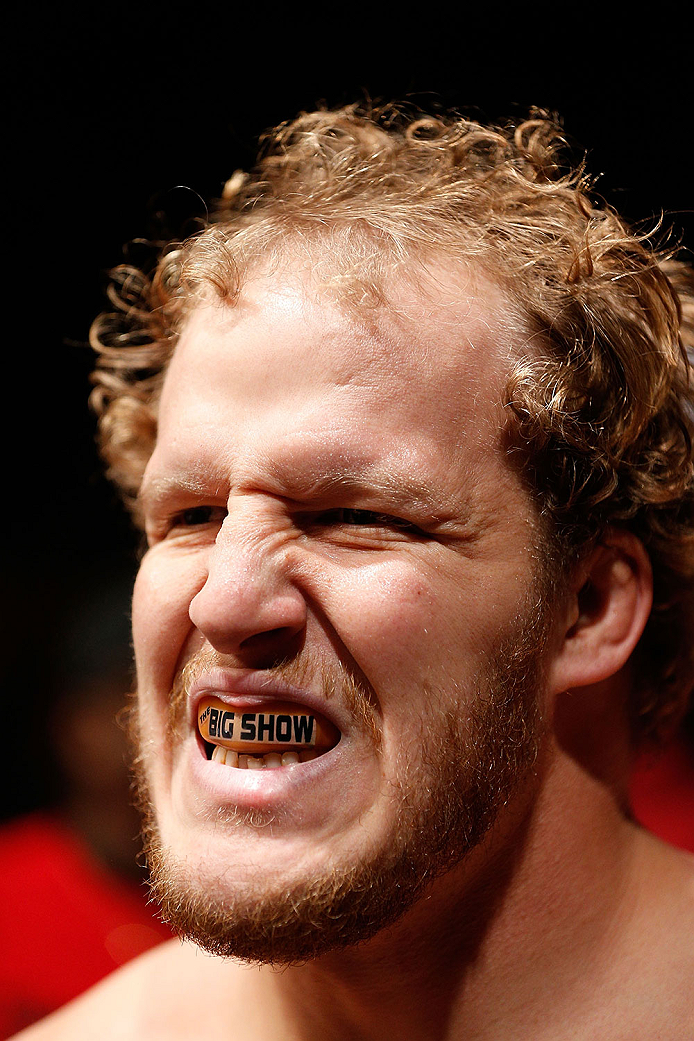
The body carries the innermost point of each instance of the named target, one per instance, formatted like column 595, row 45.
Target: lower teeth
column 271, row 761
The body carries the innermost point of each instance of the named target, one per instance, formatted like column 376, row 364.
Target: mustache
column 333, row 681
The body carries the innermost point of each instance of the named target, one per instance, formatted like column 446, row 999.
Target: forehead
column 288, row 369
column 453, row 330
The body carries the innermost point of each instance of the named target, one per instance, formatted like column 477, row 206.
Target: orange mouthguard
column 278, row 728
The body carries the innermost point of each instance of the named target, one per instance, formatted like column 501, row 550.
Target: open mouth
column 282, row 735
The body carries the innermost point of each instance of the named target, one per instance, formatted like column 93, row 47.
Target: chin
column 243, row 884
column 243, row 893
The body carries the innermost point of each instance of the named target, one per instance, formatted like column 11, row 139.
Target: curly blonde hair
column 600, row 407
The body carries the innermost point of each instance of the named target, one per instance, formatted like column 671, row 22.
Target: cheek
column 393, row 620
column 433, row 626
column 161, row 624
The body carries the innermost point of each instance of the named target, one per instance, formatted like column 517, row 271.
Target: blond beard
column 468, row 772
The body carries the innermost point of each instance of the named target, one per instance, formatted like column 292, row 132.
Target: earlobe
column 606, row 614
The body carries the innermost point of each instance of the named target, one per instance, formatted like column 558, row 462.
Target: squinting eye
column 365, row 519
column 350, row 516
column 197, row 516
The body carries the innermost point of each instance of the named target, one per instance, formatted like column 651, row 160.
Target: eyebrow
column 159, row 488
column 300, row 485
column 396, row 488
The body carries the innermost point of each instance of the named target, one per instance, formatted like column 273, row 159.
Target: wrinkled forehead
column 431, row 321
column 408, row 392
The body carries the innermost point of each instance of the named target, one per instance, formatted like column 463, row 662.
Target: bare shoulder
column 668, row 887
column 664, row 945
column 158, row 995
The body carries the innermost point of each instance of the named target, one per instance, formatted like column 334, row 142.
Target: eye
column 193, row 522
column 369, row 518
column 349, row 517
column 199, row 516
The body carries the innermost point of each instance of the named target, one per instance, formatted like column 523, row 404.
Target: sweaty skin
column 335, row 490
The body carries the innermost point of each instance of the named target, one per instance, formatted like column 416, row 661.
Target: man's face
column 333, row 523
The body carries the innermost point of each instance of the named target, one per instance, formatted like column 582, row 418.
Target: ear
column 609, row 604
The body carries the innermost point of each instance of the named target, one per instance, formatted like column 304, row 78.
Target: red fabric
column 65, row 920
column 662, row 793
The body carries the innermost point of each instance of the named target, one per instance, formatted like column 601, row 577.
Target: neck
column 493, row 939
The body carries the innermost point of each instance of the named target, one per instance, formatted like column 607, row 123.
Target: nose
column 248, row 605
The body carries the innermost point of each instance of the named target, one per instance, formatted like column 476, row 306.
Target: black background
column 105, row 120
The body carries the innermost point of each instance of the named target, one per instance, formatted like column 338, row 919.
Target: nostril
column 272, row 648
column 239, row 607
column 248, row 597
column 281, row 633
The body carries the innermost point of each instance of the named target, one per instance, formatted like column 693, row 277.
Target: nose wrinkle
column 247, row 593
